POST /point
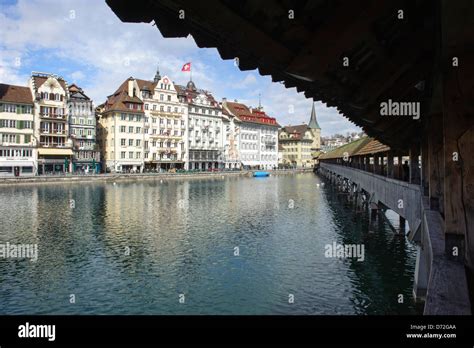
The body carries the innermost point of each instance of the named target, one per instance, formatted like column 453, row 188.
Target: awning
column 55, row 152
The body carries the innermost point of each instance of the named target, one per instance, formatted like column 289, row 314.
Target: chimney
column 130, row 87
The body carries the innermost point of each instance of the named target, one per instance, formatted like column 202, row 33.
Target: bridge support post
column 414, row 163
column 390, row 164
column 402, row 222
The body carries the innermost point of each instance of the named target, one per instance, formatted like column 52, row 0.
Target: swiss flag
column 186, row 67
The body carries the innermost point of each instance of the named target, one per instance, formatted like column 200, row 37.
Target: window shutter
column 18, row 138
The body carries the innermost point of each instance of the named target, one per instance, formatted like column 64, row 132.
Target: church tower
column 157, row 75
column 315, row 131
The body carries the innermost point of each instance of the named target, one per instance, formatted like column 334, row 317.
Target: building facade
column 51, row 128
column 120, row 130
column 300, row 144
column 17, row 141
column 231, row 132
column 165, row 125
column 82, row 130
column 258, row 136
column 205, row 139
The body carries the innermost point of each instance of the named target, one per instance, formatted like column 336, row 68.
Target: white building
column 120, row 129
column 205, row 132
column 165, row 124
column 258, row 136
column 51, row 123
column 17, row 142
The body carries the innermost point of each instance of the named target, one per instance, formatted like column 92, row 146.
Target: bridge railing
column 442, row 282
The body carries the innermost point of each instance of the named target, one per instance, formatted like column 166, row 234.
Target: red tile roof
column 15, row 94
column 251, row 116
column 118, row 100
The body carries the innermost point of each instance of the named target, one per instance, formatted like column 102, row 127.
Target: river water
column 233, row 245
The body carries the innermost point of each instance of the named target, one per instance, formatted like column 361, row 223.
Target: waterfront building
column 301, row 143
column 82, row 130
column 120, row 129
column 165, row 124
column 17, row 147
column 258, row 136
column 205, row 139
column 231, row 134
column 51, row 126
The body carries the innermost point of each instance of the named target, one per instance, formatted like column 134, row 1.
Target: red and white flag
column 186, row 67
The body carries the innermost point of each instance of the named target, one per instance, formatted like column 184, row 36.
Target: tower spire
column 313, row 123
column 157, row 75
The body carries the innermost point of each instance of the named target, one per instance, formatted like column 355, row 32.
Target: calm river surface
column 133, row 248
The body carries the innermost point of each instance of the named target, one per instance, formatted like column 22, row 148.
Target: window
column 154, row 107
column 169, row 98
column 138, row 155
column 153, row 120
column 130, row 155
column 123, row 117
column 130, row 142
column 122, row 142
column 122, row 155
column 161, row 97
column 162, row 108
column 139, row 130
column 122, row 129
column 138, row 142
column 130, row 129
column 146, row 106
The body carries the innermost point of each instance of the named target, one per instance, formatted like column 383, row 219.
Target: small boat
column 261, row 174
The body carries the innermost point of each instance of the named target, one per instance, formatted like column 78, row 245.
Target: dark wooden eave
column 388, row 57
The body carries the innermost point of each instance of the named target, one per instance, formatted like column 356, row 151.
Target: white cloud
column 110, row 51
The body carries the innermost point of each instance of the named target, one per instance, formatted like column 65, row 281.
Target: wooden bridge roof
column 360, row 147
column 389, row 58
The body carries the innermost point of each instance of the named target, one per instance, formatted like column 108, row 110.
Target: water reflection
column 132, row 248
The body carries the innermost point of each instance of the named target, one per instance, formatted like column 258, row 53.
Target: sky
column 84, row 42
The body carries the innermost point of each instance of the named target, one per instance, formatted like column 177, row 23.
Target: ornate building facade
column 82, row 130
column 205, row 132
column 51, row 93
column 258, row 136
column 165, row 124
column 300, row 143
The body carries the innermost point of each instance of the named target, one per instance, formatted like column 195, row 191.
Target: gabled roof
column 117, row 100
column 76, row 92
column 39, row 80
column 146, row 85
column 360, row 147
column 251, row 116
column 15, row 94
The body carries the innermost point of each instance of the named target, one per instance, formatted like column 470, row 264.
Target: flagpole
column 190, row 70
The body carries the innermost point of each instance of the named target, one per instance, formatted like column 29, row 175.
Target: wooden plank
column 436, row 162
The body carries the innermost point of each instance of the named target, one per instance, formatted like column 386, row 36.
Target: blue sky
column 85, row 42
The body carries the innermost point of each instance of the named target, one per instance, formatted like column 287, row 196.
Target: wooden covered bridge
column 357, row 56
